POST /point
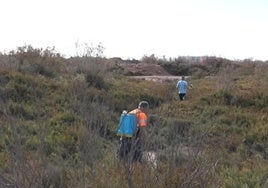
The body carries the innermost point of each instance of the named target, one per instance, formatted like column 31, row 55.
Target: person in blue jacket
column 182, row 88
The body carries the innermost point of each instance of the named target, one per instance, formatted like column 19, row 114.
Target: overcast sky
column 233, row 29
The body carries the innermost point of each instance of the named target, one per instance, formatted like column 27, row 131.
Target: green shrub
column 174, row 130
column 96, row 81
column 69, row 143
column 153, row 100
column 22, row 88
column 224, row 97
column 65, row 118
column 91, row 148
column 215, row 111
column 22, row 111
column 235, row 178
column 243, row 120
column 32, row 143
column 41, row 69
column 4, row 78
column 260, row 99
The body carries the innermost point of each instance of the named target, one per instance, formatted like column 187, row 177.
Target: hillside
column 59, row 119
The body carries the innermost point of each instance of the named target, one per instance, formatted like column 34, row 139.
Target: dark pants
column 130, row 149
column 182, row 95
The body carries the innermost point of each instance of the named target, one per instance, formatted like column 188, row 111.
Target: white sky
column 233, row 29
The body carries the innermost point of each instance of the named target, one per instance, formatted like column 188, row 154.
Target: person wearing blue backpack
column 132, row 132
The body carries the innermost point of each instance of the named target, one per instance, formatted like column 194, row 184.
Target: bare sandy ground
column 157, row 78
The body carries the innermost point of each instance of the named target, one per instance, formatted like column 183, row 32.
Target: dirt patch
column 145, row 69
column 157, row 78
column 138, row 68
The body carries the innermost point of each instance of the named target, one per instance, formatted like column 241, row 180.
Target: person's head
column 143, row 106
column 183, row 78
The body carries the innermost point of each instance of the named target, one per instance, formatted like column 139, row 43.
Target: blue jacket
column 182, row 86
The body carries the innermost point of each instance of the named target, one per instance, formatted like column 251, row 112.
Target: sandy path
column 157, row 78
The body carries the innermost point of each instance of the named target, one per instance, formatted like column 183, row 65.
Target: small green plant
column 96, row 81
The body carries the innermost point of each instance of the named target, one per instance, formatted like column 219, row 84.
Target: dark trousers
column 182, row 95
column 130, row 149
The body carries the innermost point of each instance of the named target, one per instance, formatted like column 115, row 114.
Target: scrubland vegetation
column 58, row 121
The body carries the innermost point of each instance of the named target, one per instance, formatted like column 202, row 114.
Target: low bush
column 96, row 81
column 22, row 111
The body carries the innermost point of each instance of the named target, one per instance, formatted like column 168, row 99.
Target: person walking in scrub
column 135, row 145
column 182, row 88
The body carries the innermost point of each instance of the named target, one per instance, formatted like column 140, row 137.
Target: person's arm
column 142, row 126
